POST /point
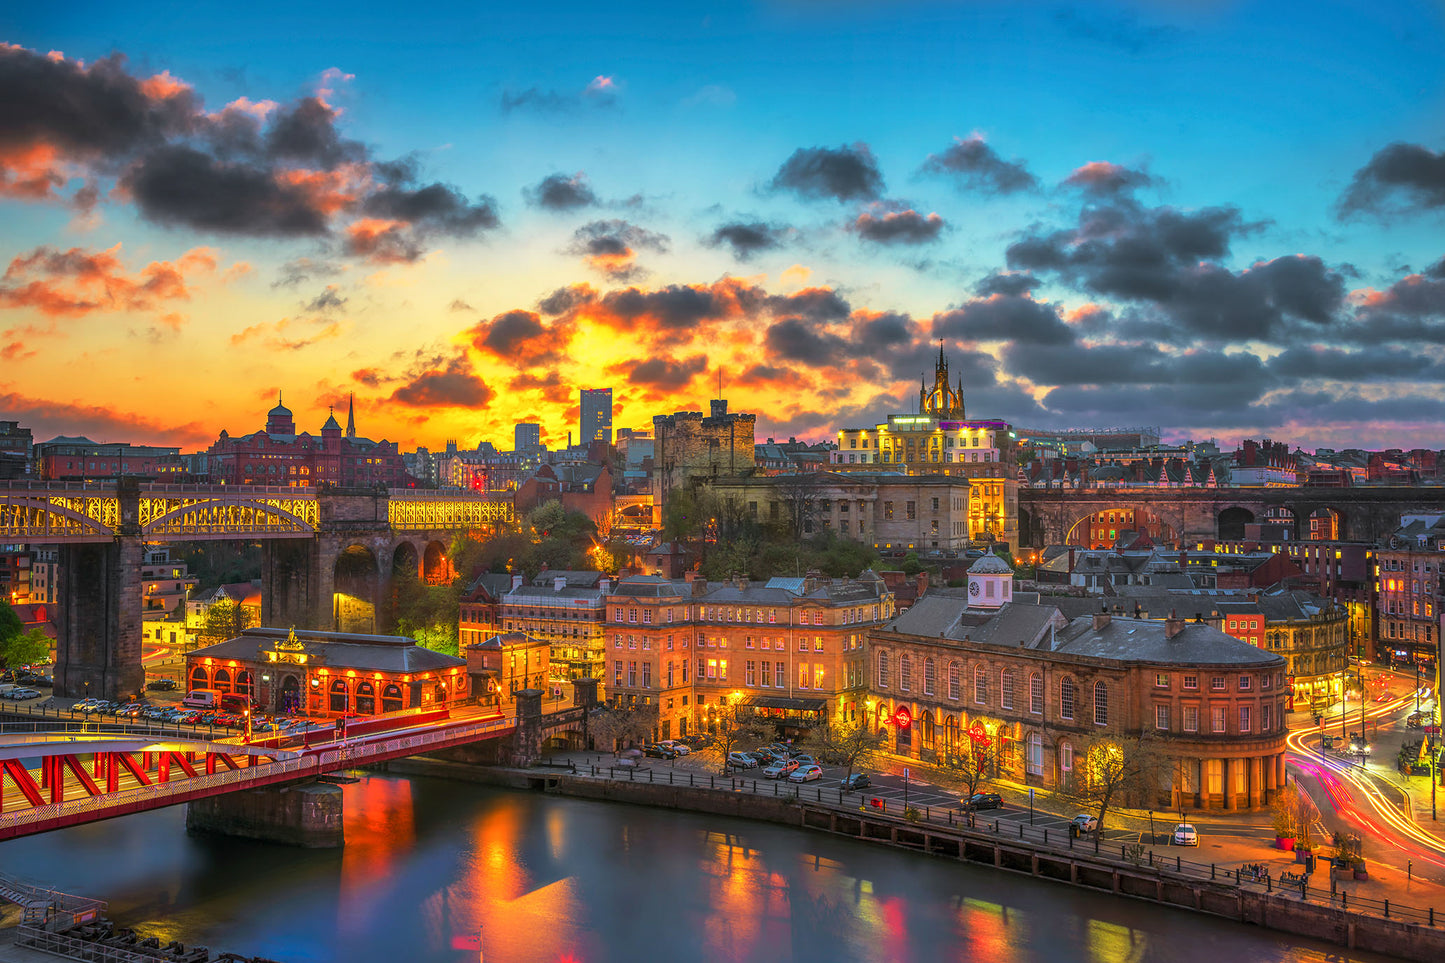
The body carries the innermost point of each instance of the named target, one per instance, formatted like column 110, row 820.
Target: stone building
column 1309, row 632
column 504, row 664
column 888, row 511
column 1041, row 691
column 565, row 610
column 1411, row 567
column 940, row 440
column 278, row 455
column 329, row 673
column 688, row 447
column 788, row 651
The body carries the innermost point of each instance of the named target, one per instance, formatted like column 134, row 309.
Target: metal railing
column 1135, row 855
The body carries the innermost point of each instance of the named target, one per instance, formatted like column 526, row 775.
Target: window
column 1244, row 719
column 980, row 685
column 1245, row 682
column 1191, row 682
column 882, row 670
column 1191, row 718
column 1101, row 704
column 617, row 674
column 905, row 673
column 1006, row 689
column 1264, row 716
column 817, row 675
column 669, row 673
column 647, row 675
column 1217, row 683
column 911, row 510
column 1217, row 718
column 631, row 674
column 1066, row 698
column 1161, row 717
column 1161, row 680
column 1036, row 754
column 928, row 677
column 953, row 681
column 779, row 679
column 1036, row 693
column 1264, row 681
column 749, row 673
column 1066, row 757
column 802, row 675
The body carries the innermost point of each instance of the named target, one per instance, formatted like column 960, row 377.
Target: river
column 435, row 870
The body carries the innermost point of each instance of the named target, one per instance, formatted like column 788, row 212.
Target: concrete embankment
column 1075, row 867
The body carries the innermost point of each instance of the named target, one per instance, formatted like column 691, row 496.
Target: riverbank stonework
column 1274, row 911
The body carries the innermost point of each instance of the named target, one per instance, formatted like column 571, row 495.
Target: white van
column 202, row 698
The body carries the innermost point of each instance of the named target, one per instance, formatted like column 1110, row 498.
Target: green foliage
column 681, row 519
column 911, row 565
column 224, row 620
column 25, row 648
column 428, row 613
column 222, row 562
column 10, row 624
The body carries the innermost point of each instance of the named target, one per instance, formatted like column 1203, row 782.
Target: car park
column 780, row 769
column 859, row 780
column 1185, row 835
column 806, row 773
column 741, row 760
column 983, row 800
column 1084, row 823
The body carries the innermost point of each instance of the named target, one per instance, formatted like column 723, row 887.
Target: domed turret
column 279, row 420
column 990, row 583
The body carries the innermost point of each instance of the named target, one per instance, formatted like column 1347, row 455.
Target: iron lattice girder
column 226, row 515
column 40, row 517
column 442, row 511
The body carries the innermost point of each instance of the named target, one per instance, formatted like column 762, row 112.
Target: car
column 806, row 774
column 859, row 780
column 659, row 751
column 983, row 800
column 22, row 693
column 163, row 685
column 780, row 769
column 803, row 759
column 1084, row 823
column 1185, row 835
column 741, row 760
column 681, row 748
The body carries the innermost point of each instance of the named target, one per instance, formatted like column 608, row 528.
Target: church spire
column 351, row 416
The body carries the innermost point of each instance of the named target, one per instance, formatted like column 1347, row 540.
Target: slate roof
column 343, row 650
column 990, row 564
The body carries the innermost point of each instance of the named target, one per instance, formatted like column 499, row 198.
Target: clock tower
column 990, row 583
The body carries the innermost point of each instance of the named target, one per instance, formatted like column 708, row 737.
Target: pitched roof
column 344, row 650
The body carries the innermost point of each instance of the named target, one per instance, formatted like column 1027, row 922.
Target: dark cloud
column 601, row 92
column 521, row 338
column 455, row 385
column 565, row 299
column 615, row 237
column 557, row 192
column 895, row 226
column 302, row 269
column 182, row 187
column 764, row 375
column 1003, row 317
column 328, row 300
column 815, row 304
column 1012, row 284
column 1400, row 178
column 972, row 164
column 797, row 340
column 1104, row 179
column 878, row 333
column 1138, row 365
column 1374, row 363
column 1436, row 270
column 843, row 173
column 747, row 238
column 305, row 133
column 662, row 374
column 552, row 386
column 676, row 308
column 370, row 377
column 459, row 305
column 433, row 209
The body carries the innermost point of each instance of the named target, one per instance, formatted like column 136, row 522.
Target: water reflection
column 448, row 872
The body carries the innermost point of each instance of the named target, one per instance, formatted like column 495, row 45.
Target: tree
column 681, row 518
column 727, row 729
column 615, row 729
column 970, row 764
column 25, row 648
column 1115, row 769
column 1294, row 814
column 224, row 619
column 10, row 624
column 853, row 744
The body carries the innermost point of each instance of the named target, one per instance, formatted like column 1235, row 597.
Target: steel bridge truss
column 41, row 516
column 425, row 511
column 227, row 515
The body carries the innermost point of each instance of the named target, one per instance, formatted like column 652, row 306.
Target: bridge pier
column 290, row 583
column 300, row 814
column 98, row 620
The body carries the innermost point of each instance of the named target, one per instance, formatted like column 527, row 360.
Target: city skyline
column 1222, row 219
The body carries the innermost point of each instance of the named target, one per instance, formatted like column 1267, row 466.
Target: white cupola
column 990, row 583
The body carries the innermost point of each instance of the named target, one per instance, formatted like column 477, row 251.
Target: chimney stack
column 559, row 583
column 1173, row 625
column 516, row 582
column 1102, row 619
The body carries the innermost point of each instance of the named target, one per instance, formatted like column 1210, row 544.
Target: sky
column 1223, row 219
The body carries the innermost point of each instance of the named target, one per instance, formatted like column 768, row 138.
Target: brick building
column 277, row 455
column 1310, row 632
column 788, row 651
column 1408, row 605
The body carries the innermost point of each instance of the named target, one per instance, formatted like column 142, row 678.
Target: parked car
column 983, row 800
column 20, row 693
column 1184, row 835
column 1084, row 823
column 681, row 748
column 660, row 751
column 859, row 780
column 741, row 760
column 806, row 774
column 780, row 769
column 803, row 759
column 163, row 685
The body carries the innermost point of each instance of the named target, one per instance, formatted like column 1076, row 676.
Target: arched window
column 928, row 678
column 1036, row 754
column 927, row 730
column 1006, row 689
column 339, row 700
column 905, row 673
column 1066, row 698
column 243, row 682
column 198, row 677
column 883, row 669
column 222, row 680
column 391, row 698
column 365, row 699
column 980, row 685
column 1066, row 759
column 950, row 733
column 953, row 681
column 1036, row 693
column 1101, row 704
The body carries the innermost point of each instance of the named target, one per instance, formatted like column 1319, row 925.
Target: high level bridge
column 327, row 554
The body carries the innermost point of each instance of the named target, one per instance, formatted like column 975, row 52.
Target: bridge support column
column 98, row 621
column 304, row 814
column 290, row 580
column 527, row 742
